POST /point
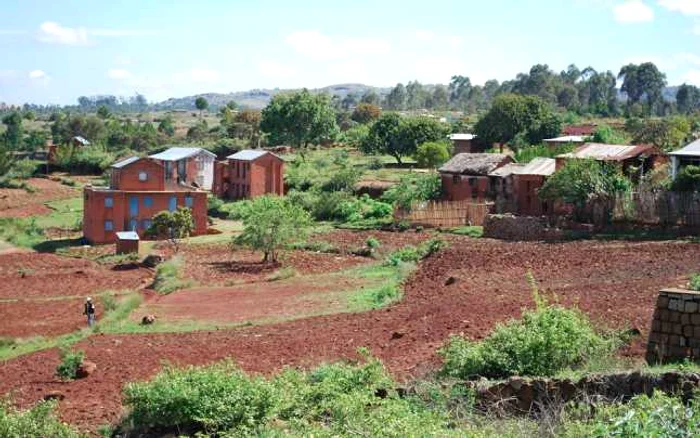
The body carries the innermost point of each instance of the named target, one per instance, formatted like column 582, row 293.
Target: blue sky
column 55, row 51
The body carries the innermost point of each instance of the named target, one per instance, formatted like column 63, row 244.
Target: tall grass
column 169, row 276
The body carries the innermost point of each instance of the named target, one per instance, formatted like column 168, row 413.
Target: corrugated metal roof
column 461, row 136
column 507, row 170
column 81, row 140
column 692, row 150
column 539, row 166
column 178, row 153
column 127, row 235
column 608, row 152
column 567, row 139
column 249, row 155
column 473, row 164
column 125, row 162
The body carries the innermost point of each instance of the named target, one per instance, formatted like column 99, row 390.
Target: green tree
column 370, row 97
column 6, row 161
column 607, row 135
column 642, row 80
column 201, row 104
column 173, row 226
column 103, row 112
column 581, row 180
column 433, row 153
column 416, row 95
column 687, row 180
column 688, row 99
column 667, row 134
column 29, row 115
column 460, row 88
column 270, row 223
column 13, row 133
column 399, row 137
column 396, row 99
column 167, row 126
column 440, row 98
column 299, row 119
column 365, row 113
column 513, row 114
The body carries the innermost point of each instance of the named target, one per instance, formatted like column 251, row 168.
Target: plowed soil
column 21, row 203
column 42, row 294
column 616, row 283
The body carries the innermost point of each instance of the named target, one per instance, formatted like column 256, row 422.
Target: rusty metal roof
column 608, row 152
column 507, row 170
column 539, row 166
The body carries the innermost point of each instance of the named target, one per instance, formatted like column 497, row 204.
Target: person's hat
column 89, row 299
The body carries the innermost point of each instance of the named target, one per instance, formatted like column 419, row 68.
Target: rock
column 152, row 260
column 450, row 281
column 397, row 335
column 148, row 320
column 54, row 395
column 85, row 369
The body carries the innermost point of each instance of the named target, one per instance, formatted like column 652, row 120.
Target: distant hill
column 257, row 99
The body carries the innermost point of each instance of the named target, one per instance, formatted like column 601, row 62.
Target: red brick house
column 468, row 176
column 585, row 129
column 193, row 166
column 527, row 183
column 138, row 191
column 632, row 160
column 249, row 173
column 463, row 143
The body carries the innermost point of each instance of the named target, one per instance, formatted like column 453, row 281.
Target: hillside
column 260, row 97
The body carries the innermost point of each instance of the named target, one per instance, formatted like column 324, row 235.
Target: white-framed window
column 109, row 202
column 143, row 176
column 109, row 225
column 189, row 201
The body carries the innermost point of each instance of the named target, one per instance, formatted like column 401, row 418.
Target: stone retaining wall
column 521, row 228
column 531, row 396
column 675, row 329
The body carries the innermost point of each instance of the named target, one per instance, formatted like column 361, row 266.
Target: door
column 133, row 206
column 182, row 170
column 172, row 203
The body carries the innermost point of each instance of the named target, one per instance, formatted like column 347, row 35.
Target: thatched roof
column 474, row 164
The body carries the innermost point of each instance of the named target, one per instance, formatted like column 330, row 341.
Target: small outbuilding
column 468, row 176
column 528, row 181
column 462, row 143
column 127, row 242
column 575, row 140
column 688, row 156
column 248, row 174
column 640, row 158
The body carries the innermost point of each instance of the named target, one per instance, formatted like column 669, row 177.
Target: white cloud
column 314, row 44
column 692, row 77
column 425, row 36
column 37, row 74
column 274, row 69
column 633, row 11
column 54, row 33
column 198, row 75
column 696, row 29
column 685, row 7
column 118, row 73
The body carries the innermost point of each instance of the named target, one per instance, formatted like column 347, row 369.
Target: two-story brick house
column 249, row 173
column 138, row 190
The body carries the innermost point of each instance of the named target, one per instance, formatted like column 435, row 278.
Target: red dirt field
column 215, row 264
column 616, row 283
column 20, row 203
column 41, row 294
column 348, row 240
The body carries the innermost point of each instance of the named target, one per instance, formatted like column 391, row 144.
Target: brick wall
column 127, row 178
column 465, row 188
column 675, row 329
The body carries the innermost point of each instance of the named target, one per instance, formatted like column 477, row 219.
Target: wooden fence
column 652, row 207
column 444, row 213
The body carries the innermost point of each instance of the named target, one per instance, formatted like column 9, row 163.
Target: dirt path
column 616, row 284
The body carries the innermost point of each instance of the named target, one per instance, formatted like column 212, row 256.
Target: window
column 109, row 225
column 172, row 203
column 189, row 201
column 456, row 179
column 146, row 224
column 143, row 176
column 133, row 224
column 148, row 201
column 109, row 202
column 472, row 182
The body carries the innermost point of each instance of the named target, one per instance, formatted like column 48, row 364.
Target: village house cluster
column 141, row 187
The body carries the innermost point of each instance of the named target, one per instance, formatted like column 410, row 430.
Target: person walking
column 89, row 311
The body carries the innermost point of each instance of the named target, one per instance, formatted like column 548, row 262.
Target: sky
column 53, row 51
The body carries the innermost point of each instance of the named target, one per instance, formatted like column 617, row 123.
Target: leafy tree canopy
column 581, row 180
column 400, row 137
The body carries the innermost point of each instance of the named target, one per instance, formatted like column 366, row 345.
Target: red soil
column 616, row 283
column 32, row 283
column 20, row 203
column 348, row 240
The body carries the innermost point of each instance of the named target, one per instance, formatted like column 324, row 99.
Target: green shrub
column 91, row 160
column 21, row 231
column 413, row 254
column 373, row 243
column 23, row 169
column 687, row 180
column 215, row 398
column 543, row 342
column 169, row 276
column 282, row 274
column 660, row 416
column 528, row 153
column 414, row 188
column 355, row 210
column 328, row 204
column 433, row 154
column 317, row 246
column 70, row 362
column 695, row 282
column 109, row 301
column 343, row 179
column 469, row 231
column 40, row 421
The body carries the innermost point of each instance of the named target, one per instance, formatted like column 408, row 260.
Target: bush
column 543, row 342
column 88, row 160
column 23, row 169
column 214, row 398
column 412, row 254
column 70, row 362
column 414, row 188
column 527, row 154
column 687, row 180
column 433, row 154
column 695, row 282
column 282, row 274
column 362, row 208
column 343, row 179
column 657, row 416
column 169, row 277
column 39, row 421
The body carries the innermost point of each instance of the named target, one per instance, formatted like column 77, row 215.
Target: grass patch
column 282, row 274
column 70, row 362
column 39, row 421
column 316, row 246
column 384, row 286
column 694, row 283
column 469, row 231
column 67, row 214
column 169, row 277
column 414, row 254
